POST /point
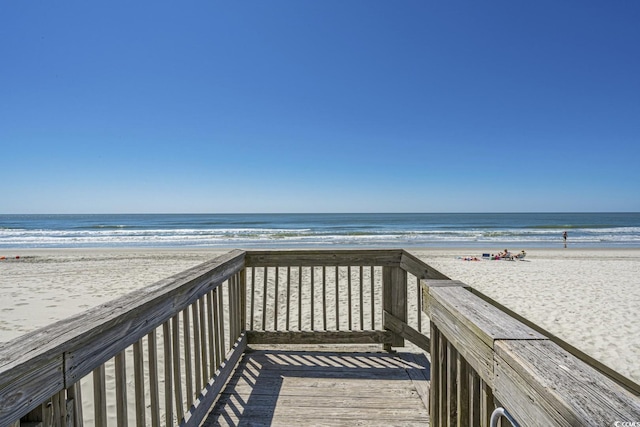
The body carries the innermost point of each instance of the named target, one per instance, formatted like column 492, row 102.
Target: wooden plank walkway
column 323, row 388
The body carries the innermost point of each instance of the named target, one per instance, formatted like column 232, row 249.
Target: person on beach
column 504, row 255
column 564, row 237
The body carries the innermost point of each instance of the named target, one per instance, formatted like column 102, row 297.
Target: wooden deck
column 325, row 388
column 185, row 351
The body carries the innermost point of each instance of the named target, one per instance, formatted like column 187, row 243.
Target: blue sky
column 319, row 106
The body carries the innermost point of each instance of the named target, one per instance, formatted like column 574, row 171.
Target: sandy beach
column 588, row 297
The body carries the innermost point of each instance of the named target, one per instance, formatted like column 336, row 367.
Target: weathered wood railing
column 481, row 357
column 199, row 316
column 334, row 296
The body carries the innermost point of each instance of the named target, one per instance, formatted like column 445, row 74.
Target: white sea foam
column 321, row 231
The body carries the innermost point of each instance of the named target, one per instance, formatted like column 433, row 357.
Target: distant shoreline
column 223, row 231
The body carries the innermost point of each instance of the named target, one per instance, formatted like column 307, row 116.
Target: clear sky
column 319, row 106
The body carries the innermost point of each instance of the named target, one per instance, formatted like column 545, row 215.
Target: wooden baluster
column 58, row 409
column 337, row 283
column 349, row 302
column 74, row 412
column 238, row 302
column 154, row 394
column 121, row 389
column 195, row 314
column 265, row 279
column 275, row 301
column 373, row 305
column 216, row 330
column 324, row 298
column 442, row 380
column 203, row 341
column 361, row 298
column 313, row 297
column 221, row 337
column 419, row 303
column 211, row 308
column 462, row 390
column 232, row 308
column 99, row 396
column 452, row 377
column 243, row 299
column 434, row 386
column 138, row 374
column 288, row 297
column 486, row 403
column 300, row 298
column 168, row 367
column 474, row 398
column 177, row 375
column 188, row 367
column 238, row 310
column 253, row 296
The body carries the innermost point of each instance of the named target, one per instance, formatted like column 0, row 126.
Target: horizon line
column 327, row 213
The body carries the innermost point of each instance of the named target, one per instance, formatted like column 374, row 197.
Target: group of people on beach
column 506, row 255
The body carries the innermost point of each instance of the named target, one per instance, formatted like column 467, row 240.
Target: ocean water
column 486, row 230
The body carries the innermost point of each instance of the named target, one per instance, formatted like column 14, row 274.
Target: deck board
column 285, row 387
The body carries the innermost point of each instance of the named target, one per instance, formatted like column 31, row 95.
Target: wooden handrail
column 481, row 357
column 45, row 362
column 288, row 294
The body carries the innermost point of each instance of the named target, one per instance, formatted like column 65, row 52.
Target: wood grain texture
column 114, row 326
column 419, row 268
column 154, row 390
column 121, row 389
column 486, row 321
column 139, row 377
column 322, row 258
column 606, row 370
column 401, row 328
column 322, row 388
column 473, row 325
column 212, row 389
column 475, row 351
column 26, row 388
column 542, row 384
column 434, row 397
column 319, row 337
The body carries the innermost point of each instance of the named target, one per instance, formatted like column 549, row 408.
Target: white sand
column 590, row 298
column 45, row 286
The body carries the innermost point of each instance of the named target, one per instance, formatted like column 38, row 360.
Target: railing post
column 434, row 386
column 394, row 298
column 74, row 396
column 243, row 299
